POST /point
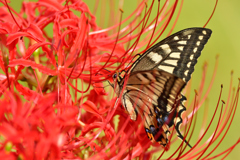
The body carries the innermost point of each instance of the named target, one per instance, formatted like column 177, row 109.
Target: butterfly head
column 116, row 79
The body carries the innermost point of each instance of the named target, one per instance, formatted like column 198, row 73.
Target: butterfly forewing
column 177, row 54
column 151, row 88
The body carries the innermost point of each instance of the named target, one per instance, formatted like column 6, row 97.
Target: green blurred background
column 224, row 41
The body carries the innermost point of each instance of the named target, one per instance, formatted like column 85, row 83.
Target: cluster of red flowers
column 53, row 104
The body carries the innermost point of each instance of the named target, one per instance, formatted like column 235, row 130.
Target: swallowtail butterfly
column 152, row 86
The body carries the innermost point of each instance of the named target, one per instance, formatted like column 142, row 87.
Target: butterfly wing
column 152, row 86
column 177, row 54
column 153, row 95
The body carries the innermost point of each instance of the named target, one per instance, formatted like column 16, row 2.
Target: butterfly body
column 152, row 86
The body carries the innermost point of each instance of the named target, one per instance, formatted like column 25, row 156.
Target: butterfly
column 151, row 87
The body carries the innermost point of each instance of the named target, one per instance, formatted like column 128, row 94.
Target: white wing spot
column 204, row 32
column 154, row 99
column 166, row 48
column 191, row 57
column 155, row 57
column 171, row 62
column 170, row 101
column 189, row 64
column 177, row 120
column 189, row 36
column 195, row 50
column 198, row 43
column 170, row 95
column 166, row 68
column 169, row 108
column 180, row 107
column 176, row 38
column 186, row 72
column 175, row 54
column 180, row 48
column 200, row 37
column 182, row 42
column 129, row 107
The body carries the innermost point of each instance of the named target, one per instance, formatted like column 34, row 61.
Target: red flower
column 53, row 103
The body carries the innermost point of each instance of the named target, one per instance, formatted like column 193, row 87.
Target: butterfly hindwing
column 153, row 95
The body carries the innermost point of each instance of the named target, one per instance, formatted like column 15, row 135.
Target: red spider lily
column 63, row 111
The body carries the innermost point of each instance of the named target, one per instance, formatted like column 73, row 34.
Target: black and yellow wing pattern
column 152, row 86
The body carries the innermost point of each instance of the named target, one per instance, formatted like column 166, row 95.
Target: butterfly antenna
column 104, row 86
column 110, row 83
column 100, row 73
column 106, row 70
